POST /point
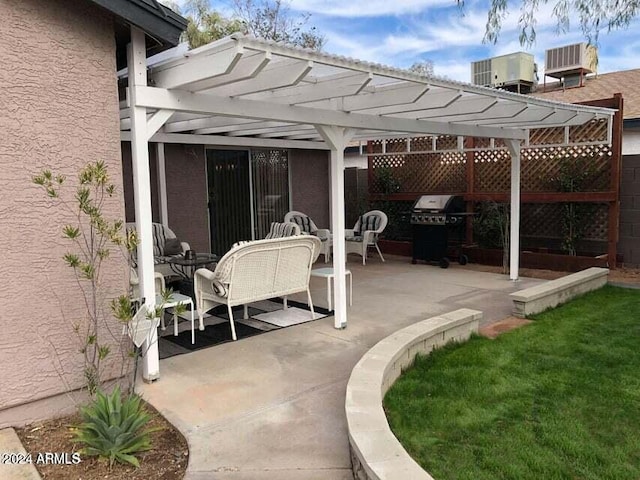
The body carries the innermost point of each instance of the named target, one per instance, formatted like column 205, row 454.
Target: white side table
column 329, row 274
column 174, row 300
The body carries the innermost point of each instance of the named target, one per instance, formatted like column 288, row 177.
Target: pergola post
column 514, row 235
column 162, row 184
column 337, row 139
column 137, row 65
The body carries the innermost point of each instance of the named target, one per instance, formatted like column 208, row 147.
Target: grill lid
column 439, row 203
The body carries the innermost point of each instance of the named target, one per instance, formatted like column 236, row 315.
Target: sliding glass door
column 247, row 191
column 228, row 176
column 270, row 188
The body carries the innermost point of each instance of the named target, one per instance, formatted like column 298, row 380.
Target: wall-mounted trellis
column 400, row 169
column 446, row 172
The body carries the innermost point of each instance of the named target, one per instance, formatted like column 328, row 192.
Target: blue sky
column 400, row 32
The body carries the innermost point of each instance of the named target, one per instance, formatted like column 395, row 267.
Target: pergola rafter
column 241, row 91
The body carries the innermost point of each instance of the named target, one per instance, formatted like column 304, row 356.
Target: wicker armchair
column 360, row 238
column 309, row 227
column 282, row 230
column 255, row 271
column 160, row 234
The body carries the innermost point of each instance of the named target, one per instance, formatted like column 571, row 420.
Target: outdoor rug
column 264, row 317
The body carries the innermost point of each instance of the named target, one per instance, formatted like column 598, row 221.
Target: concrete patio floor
column 272, row 406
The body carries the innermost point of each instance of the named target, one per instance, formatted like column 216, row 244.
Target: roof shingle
column 601, row 86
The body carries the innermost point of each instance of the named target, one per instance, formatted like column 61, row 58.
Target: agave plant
column 112, row 428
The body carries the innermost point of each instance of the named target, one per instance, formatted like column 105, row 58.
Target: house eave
column 156, row 20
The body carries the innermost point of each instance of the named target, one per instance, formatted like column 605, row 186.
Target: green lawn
column 557, row 399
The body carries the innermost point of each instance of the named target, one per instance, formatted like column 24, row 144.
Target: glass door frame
column 250, row 153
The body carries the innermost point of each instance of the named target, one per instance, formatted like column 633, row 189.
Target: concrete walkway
column 272, row 406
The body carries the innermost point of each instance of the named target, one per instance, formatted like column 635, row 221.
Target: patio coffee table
column 329, row 274
column 186, row 268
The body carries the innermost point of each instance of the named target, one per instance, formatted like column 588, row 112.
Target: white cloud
column 453, row 70
column 366, row 8
column 452, row 41
column 401, row 32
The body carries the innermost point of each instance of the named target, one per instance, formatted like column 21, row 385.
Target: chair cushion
column 304, row 223
column 172, row 246
column 159, row 238
column 220, row 288
column 241, row 242
column 281, row 230
column 370, row 222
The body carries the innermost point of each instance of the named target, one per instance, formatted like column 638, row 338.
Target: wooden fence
column 400, row 170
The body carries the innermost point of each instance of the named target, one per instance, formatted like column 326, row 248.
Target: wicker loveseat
column 160, row 236
column 255, row 271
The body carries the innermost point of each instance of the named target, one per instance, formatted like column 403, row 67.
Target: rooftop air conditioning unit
column 514, row 71
column 571, row 59
column 481, row 73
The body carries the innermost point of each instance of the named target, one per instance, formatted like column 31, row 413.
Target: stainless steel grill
column 432, row 217
column 438, row 210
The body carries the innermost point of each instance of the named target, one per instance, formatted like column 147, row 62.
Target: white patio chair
column 134, row 284
column 176, row 298
column 282, row 230
column 360, row 238
column 309, row 227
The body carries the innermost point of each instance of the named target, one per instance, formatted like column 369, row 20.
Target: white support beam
column 338, row 138
column 155, row 122
column 152, row 97
column 498, row 112
column 197, row 68
column 559, row 119
column 280, row 130
column 319, row 89
column 224, row 140
column 385, row 96
column 248, row 66
column 212, row 124
column 308, row 135
column 531, row 116
column 514, row 236
column 300, row 134
column 283, row 74
column 462, row 107
column 137, row 65
column 240, row 128
column 376, row 96
column 162, row 185
column 433, row 99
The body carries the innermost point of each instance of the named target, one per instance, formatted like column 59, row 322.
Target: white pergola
column 245, row 92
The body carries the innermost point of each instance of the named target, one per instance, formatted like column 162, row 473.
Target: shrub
column 112, row 428
column 93, row 238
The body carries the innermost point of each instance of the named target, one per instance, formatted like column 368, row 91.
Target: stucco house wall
column 127, row 182
column 310, row 187
column 59, row 110
column 186, row 173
